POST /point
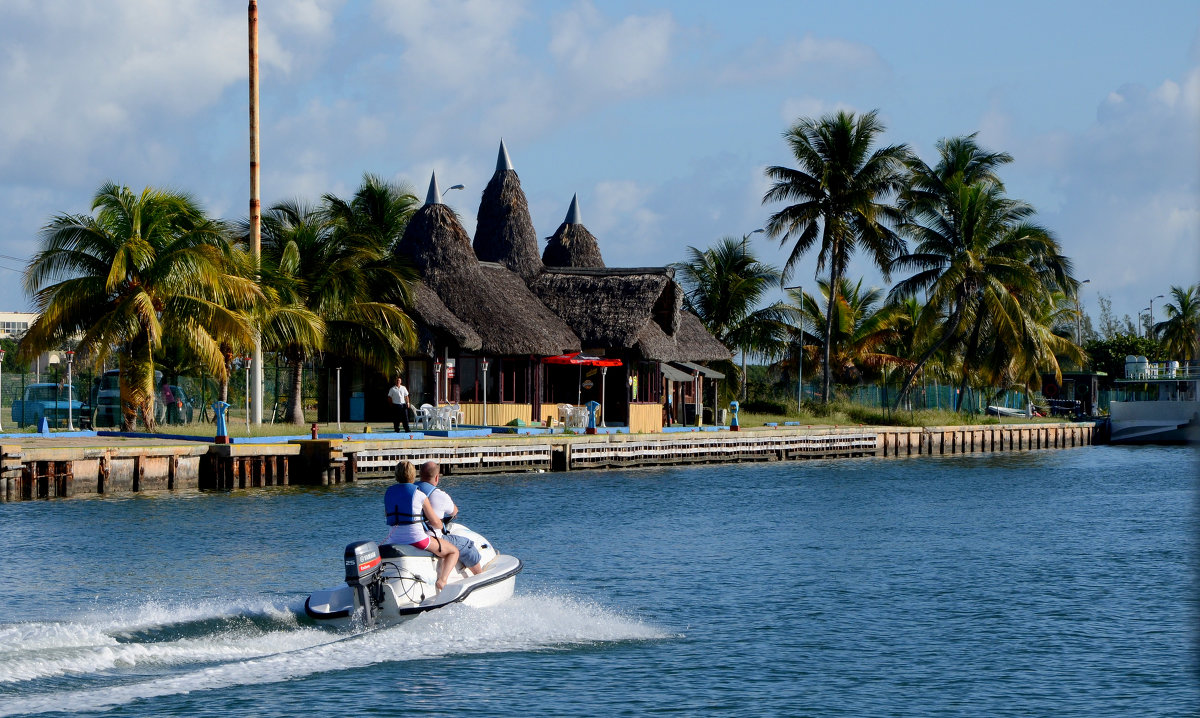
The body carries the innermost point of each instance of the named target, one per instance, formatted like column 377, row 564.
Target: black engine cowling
column 362, row 563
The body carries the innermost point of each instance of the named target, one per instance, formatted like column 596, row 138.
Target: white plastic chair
column 425, row 416
column 456, row 415
column 564, row 414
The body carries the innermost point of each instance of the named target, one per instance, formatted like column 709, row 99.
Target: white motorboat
column 392, row 583
column 1160, row 403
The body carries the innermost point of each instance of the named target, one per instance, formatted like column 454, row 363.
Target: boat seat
column 398, row 550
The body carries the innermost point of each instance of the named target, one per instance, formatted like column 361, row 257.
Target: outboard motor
column 363, row 565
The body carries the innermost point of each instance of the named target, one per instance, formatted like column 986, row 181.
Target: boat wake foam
column 159, row 650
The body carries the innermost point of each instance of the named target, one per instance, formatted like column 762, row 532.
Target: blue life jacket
column 426, row 487
column 403, row 504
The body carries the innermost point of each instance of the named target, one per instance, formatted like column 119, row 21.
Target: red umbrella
column 578, row 358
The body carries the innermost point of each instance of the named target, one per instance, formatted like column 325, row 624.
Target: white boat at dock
column 1159, row 403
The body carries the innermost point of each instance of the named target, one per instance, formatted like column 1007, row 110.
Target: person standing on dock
column 398, row 396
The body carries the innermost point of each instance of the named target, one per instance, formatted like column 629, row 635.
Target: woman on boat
column 408, row 510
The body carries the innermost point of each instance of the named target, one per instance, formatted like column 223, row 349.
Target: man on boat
column 408, row 510
column 444, row 507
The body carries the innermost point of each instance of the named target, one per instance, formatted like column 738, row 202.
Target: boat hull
column 406, row 586
column 1149, row 422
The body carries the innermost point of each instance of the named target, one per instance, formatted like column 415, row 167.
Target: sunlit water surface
column 1052, row 583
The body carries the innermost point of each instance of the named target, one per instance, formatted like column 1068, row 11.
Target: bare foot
column 440, row 585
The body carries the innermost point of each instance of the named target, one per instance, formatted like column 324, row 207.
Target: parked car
column 55, row 403
column 108, row 397
column 181, row 410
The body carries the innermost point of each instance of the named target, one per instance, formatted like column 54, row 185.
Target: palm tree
column 723, row 286
column 974, row 247
column 330, row 280
column 1180, row 331
column 863, row 330
column 838, row 195
column 145, row 266
column 378, row 213
column 1017, row 354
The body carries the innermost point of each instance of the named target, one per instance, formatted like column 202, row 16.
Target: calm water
column 1057, row 583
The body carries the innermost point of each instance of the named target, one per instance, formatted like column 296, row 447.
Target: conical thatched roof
column 492, row 301
column 437, row 245
column 691, row 342
column 503, row 229
column 572, row 245
column 608, row 308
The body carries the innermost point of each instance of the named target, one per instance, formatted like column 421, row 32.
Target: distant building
column 13, row 325
column 494, row 301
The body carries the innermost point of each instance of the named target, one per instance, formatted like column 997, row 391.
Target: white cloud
column 629, row 56
column 464, row 44
column 765, row 62
column 796, row 107
column 113, row 71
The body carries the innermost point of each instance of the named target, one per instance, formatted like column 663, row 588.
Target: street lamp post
column 247, row 367
column 484, row 363
column 799, row 354
column 1, row 384
column 457, row 186
column 1079, row 315
column 745, row 383
column 437, row 382
column 70, row 391
column 1152, row 314
column 603, row 391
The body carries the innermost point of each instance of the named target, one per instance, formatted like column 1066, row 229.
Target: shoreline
column 118, row 465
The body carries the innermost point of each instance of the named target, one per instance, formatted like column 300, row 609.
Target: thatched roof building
column 437, row 325
column 488, row 299
column 609, row 308
column 503, row 229
column 572, row 245
column 690, row 342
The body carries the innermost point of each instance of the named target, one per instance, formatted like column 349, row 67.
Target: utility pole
column 256, row 377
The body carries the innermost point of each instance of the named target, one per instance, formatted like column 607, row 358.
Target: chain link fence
column 180, row 399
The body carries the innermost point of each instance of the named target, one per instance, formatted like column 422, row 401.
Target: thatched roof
column 492, row 301
column 512, row 320
column 691, row 342
column 437, row 245
column 503, row 230
column 609, row 307
column 436, row 322
column 572, row 245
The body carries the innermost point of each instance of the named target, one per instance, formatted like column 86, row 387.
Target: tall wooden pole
column 255, row 207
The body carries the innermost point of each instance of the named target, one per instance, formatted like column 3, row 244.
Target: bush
column 760, row 406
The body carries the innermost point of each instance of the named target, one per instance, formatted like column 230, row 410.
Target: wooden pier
column 38, row 471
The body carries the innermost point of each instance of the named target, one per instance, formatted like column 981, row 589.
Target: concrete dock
column 64, row 467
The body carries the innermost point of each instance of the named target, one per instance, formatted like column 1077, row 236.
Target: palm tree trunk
column 825, row 372
column 955, row 320
column 137, row 384
column 972, row 346
column 295, row 401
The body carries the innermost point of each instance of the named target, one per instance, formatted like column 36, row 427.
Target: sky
column 661, row 115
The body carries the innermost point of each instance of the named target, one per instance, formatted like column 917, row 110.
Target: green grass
column 846, row 414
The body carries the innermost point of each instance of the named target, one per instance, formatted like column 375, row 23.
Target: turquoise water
column 1052, row 583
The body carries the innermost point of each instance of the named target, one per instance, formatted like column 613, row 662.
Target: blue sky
column 661, row 115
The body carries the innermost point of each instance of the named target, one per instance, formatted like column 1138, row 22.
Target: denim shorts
column 467, row 553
